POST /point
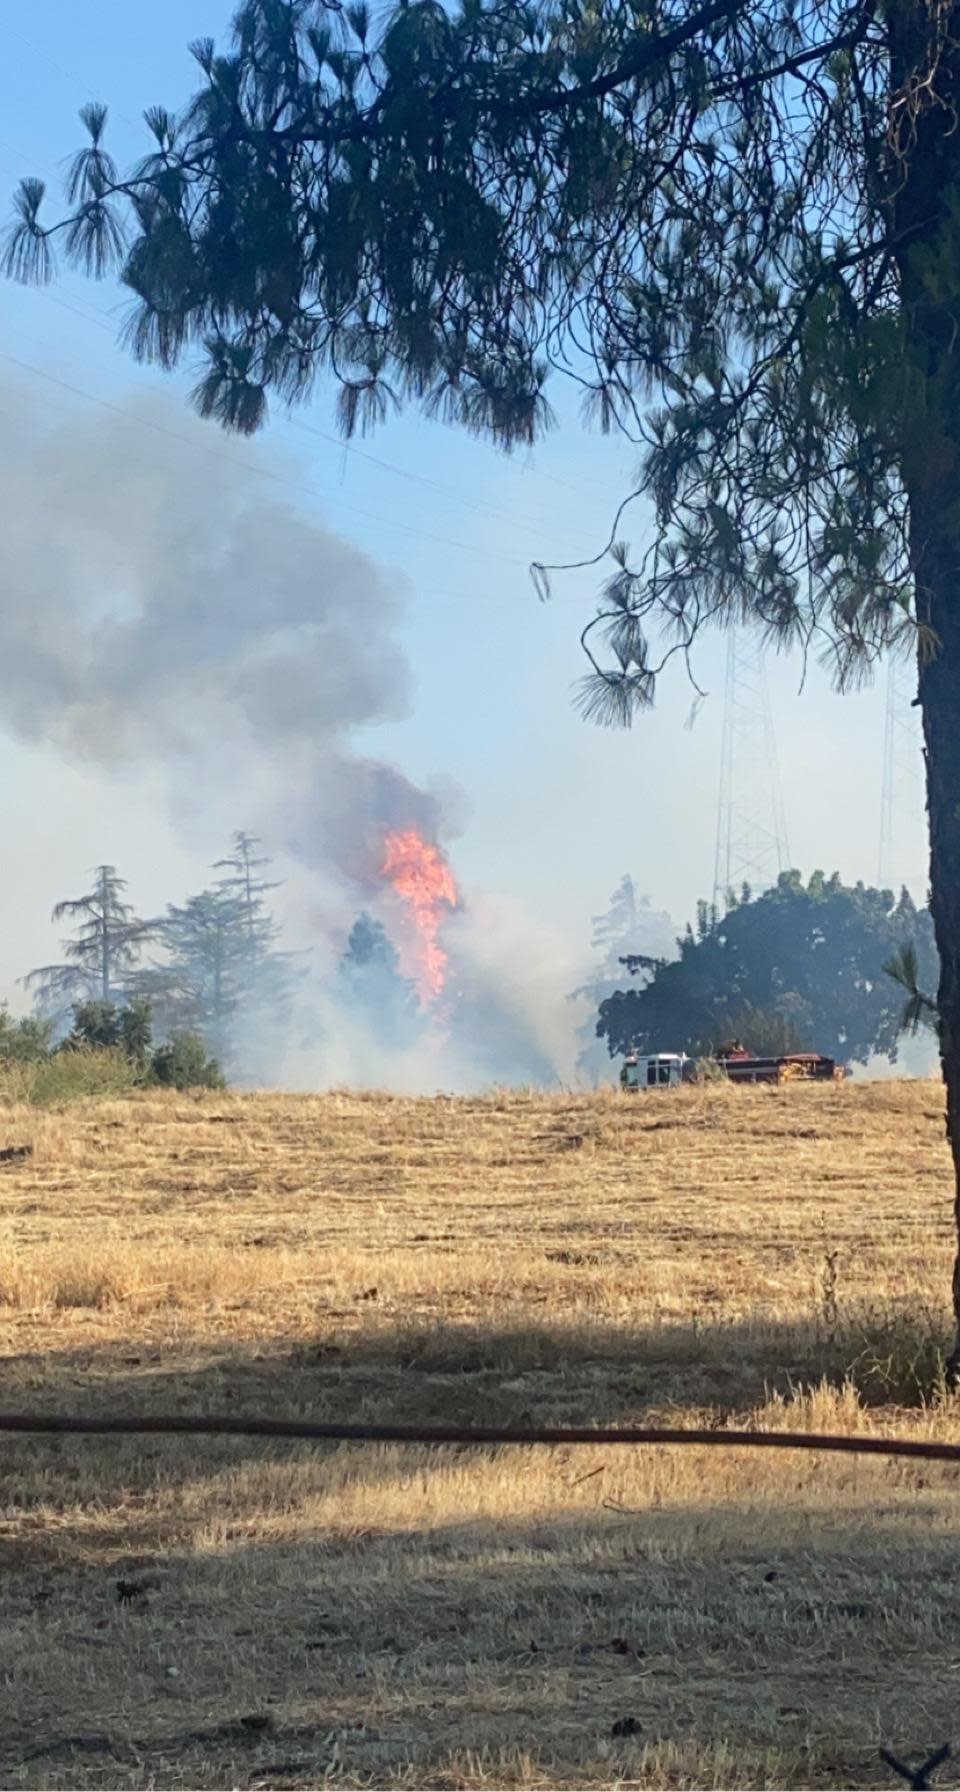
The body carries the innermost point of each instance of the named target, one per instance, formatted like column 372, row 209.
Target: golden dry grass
column 385, row 1616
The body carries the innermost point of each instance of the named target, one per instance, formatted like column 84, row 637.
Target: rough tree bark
column 925, row 76
column 939, row 685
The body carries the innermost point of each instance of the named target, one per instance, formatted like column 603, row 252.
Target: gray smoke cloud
column 169, row 606
column 164, row 603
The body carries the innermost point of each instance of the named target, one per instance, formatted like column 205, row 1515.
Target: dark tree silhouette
column 920, row 1009
column 802, row 967
column 100, row 961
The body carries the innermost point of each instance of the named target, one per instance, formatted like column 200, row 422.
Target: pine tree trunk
column 218, row 1003
column 924, row 39
column 940, row 702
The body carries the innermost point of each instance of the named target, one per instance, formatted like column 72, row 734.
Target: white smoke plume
column 167, row 606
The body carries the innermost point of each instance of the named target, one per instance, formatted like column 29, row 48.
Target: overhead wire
column 260, row 471
column 100, row 319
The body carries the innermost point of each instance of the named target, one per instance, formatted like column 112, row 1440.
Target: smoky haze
column 169, row 608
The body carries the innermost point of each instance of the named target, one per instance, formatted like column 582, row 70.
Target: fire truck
column 664, row 1070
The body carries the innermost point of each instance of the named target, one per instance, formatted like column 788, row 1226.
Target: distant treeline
column 817, row 965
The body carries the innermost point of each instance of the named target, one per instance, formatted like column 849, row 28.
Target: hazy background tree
column 372, row 982
column 101, row 958
column 630, row 928
column 243, row 885
column 802, row 967
column 198, row 984
column 266, row 975
column 733, row 224
column 220, row 973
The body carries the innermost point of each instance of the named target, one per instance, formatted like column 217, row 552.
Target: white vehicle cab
column 656, row 1070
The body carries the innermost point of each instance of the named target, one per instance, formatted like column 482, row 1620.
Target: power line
column 93, row 91
column 402, row 472
column 260, row 471
column 97, row 316
column 424, row 479
column 99, row 319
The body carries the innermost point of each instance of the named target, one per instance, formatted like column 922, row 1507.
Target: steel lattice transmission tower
column 901, row 790
column 752, row 842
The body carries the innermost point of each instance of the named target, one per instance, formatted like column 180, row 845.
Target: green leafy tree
column 734, row 223
column 100, row 960
column 103, row 1026
column 182, row 1063
column 801, row 967
column 96, row 1027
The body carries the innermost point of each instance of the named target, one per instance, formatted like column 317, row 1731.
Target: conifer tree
column 101, row 958
column 220, row 973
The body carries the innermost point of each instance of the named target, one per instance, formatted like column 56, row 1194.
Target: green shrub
column 69, row 1076
column 98, row 1025
column 183, row 1064
column 23, row 1041
column 108, row 1052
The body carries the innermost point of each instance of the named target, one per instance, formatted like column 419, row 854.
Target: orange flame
column 423, row 880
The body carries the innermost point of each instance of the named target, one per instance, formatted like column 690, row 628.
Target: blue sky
column 553, row 810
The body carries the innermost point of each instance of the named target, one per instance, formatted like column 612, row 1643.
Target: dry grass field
column 358, row 1616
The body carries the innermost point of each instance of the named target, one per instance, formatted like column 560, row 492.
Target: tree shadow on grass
column 550, row 1372
column 723, row 1644
column 765, row 1623
column 96, row 1499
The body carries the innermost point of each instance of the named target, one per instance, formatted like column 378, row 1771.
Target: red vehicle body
column 741, row 1067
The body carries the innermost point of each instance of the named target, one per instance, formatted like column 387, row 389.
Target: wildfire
column 424, row 882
